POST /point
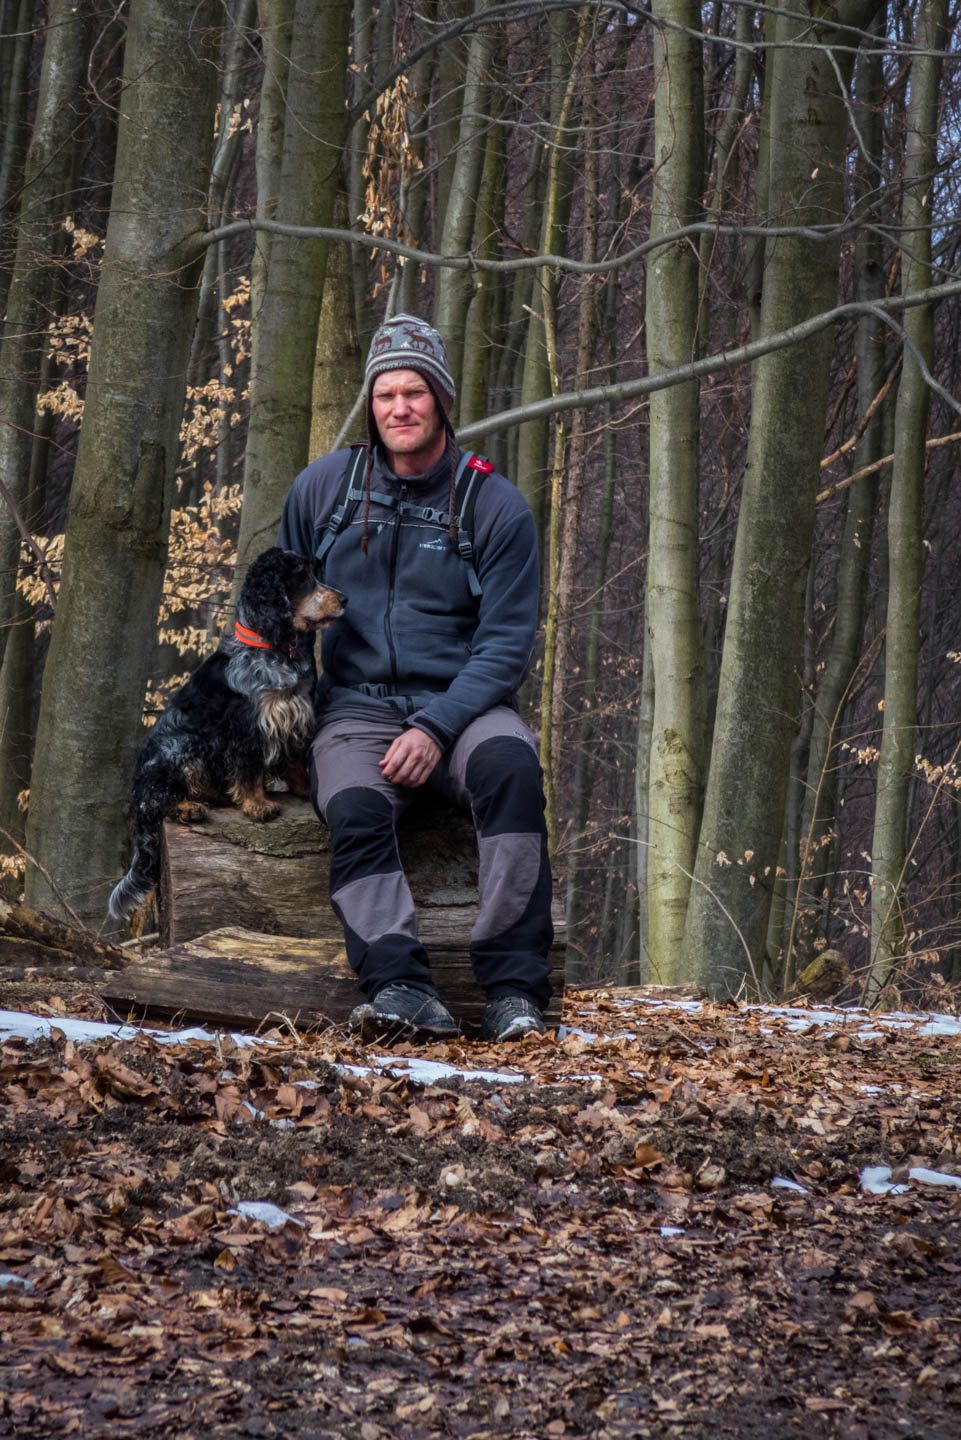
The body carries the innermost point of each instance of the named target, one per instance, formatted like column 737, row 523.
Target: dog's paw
column 260, row 810
column 298, row 781
column 189, row 812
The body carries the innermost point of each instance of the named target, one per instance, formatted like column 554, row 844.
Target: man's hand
column 411, row 758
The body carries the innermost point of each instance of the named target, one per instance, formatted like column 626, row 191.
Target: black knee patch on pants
column 362, row 837
column 506, row 788
column 363, row 844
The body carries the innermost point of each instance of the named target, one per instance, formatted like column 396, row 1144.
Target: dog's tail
column 144, row 870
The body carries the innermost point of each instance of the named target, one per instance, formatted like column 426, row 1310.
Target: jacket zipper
column 388, row 631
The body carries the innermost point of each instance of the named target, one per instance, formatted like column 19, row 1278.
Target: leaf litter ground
column 587, row 1244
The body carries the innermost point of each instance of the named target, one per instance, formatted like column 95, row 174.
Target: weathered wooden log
column 274, row 877
column 234, row 976
column 249, row 931
column 29, row 938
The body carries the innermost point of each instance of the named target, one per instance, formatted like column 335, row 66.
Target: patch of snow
column 8, row 1281
column 669, row 1231
column 934, row 1177
column 271, row 1215
column 780, row 1183
column 428, row 1072
column 921, row 1024
column 82, row 1032
column 876, row 1180
column 799, row 1018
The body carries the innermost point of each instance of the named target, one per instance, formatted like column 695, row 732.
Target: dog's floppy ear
column 264, row 602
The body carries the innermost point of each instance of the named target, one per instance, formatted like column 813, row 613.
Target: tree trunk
column 16, row 98
column 532, row 437
column 757, row 698
column 454, row 287
column 446, row 112
column 573, row 489
column 673, row 604
column 276, row 25
column 36, row 278
column 226, row 153
column 116, row 539
column 905, row 519
column 724, row 159
column 488, row 288
column 36, row 271
column 820, row 817
column 414, row 195
column 338, row 363
column 285, row 327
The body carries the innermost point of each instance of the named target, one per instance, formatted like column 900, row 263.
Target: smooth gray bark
column 454, row 288
column 116, row 539
column 905, row 517
column 757, row 700
column 285, row 325
column 34, row 281
column 676, row 775
column 844, row 661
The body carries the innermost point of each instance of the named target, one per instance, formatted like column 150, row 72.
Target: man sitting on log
column 437, row 555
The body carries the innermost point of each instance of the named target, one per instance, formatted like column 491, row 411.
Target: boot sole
column 370, row 1026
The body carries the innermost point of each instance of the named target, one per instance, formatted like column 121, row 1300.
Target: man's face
column 408, row 417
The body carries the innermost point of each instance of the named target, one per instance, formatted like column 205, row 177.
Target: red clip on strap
column 477, row 462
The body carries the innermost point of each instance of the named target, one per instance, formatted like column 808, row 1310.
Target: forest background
column 698, row 270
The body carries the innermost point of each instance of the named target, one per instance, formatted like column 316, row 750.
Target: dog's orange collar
column 246, row 636
column 250, row 637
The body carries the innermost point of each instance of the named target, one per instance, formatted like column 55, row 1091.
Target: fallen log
column 31, row 939
column 249, row 932
column 234, row 976
column 273, row 877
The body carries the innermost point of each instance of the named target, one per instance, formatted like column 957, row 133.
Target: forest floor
column 584, row 1237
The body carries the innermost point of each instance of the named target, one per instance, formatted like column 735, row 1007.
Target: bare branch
column 741, row 355
column 521, row 262
column 29, row 541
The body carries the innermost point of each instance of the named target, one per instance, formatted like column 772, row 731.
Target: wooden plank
column 235, row 976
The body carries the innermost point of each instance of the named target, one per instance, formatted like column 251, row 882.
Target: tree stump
column 246, row 917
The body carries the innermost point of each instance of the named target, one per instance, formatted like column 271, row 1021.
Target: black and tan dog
column 245, row 714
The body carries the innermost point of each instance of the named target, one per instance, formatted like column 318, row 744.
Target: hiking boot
column 510, row 1017
column 399, row 1012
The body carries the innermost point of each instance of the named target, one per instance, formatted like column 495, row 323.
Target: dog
column 244, row 714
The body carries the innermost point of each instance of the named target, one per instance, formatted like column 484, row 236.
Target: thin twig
column 32, row 860
column 871, row 986
column 880, row 464
column 45, row 572
column 704, row 886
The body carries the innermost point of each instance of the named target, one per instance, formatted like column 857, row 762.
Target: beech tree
column 684, row 288
column 905, row 519
column 738, row 849
column 116, row 540
column 34, row 277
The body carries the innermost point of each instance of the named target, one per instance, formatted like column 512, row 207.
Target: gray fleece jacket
column 413, row 633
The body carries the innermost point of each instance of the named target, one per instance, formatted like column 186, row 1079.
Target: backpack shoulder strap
column 349, row 497
column 471, row 473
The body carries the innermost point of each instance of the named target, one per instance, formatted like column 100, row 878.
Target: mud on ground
column 596, row 1250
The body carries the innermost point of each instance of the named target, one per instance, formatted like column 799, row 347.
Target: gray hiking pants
column 492, row 771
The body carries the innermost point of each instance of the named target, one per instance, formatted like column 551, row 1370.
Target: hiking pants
column 491, row 770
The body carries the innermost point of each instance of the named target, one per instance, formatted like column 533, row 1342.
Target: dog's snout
column 320, row 608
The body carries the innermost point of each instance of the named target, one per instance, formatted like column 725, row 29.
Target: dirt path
column 592, row 1249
